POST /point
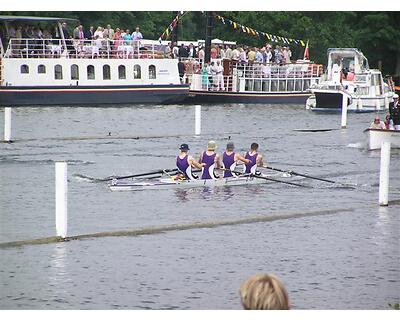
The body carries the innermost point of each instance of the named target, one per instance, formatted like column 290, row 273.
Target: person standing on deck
column 220, row 76
column 211, row 160
column 255, row 159
column 185, row 162
column 230, row 159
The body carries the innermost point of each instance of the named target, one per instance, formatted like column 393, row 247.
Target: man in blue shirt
column 137, row 35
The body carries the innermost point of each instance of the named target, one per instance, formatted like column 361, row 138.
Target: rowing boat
column 171, row 183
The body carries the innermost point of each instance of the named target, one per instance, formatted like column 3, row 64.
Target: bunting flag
column 256, row 33
column 171, row 26
column 306, row 53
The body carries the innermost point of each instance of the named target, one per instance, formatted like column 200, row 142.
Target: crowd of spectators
column 243, row 54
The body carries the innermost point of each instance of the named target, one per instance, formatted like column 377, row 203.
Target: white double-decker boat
column 170, row 182
column 52, row 69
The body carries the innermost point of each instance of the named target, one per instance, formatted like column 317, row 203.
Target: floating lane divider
column 116, row 137
column 178, row 227
column 175, row 227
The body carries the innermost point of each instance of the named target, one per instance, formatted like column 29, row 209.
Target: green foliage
column 374, row 33
column 395, row 306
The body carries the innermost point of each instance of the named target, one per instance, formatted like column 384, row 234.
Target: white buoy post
column 344, row 111
column 197, row 127
column 384, row 174
column 7, row 124
column 61, row 199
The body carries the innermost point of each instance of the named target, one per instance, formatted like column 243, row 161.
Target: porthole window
column 152, row 72
column 121, row 72
column 74, row 72
column 41, row 68
column 106, row 72
column 24, row 68
column 58, row 72
column 90, row 72
column 137, row 72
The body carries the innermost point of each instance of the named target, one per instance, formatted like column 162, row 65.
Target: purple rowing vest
column 184, row 167
column 252, row 166
column 229, row 163
column 208, row 169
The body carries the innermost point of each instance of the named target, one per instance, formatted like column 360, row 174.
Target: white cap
column 395, row 96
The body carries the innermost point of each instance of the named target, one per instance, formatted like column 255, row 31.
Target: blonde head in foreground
column 264, row 292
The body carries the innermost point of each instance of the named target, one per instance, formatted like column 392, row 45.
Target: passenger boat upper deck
column 54, row 70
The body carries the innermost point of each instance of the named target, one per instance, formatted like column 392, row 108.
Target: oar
column 160, row 171
column 299, row 174
column 266, row 178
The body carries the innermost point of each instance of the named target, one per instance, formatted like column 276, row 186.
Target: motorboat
column 348, row 79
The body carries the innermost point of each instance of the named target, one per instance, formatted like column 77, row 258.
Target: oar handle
column 141, row 174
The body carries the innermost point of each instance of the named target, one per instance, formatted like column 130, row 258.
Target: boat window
column 121, row 72
column 152, row 71
column 24, row 68
column 41, row 68
column 74, row 72
column 58, row 72
column 90, row 72
column 137, row 73
column 106, row 72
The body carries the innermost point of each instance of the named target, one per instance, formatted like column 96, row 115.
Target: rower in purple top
column 255, row 159
column 230, row 159
column 185, row 162
column 211, row 160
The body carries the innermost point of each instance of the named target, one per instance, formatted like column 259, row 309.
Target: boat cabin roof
column 347, row 58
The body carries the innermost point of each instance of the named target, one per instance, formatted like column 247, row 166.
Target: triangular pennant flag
column 306, row 53
column 167, row 32
column 302, row 43
column 244, row 29
column 234, row 25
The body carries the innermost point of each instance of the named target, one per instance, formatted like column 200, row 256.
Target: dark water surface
column 346, row 259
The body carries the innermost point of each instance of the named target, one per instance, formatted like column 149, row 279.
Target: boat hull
column 197, row 96
column 92, row 95
column 169, row 183
column 377, row 136
column 331, row 101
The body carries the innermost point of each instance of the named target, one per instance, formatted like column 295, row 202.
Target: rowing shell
column 170, row 183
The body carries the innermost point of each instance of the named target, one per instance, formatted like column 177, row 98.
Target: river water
column 331, row 244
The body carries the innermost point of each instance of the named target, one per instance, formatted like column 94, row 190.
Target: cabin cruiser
column 348, row 77
column 54, row 70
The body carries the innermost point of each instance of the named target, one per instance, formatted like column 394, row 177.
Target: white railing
column 206, row 82
column 75, row 48
column 257, row 78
